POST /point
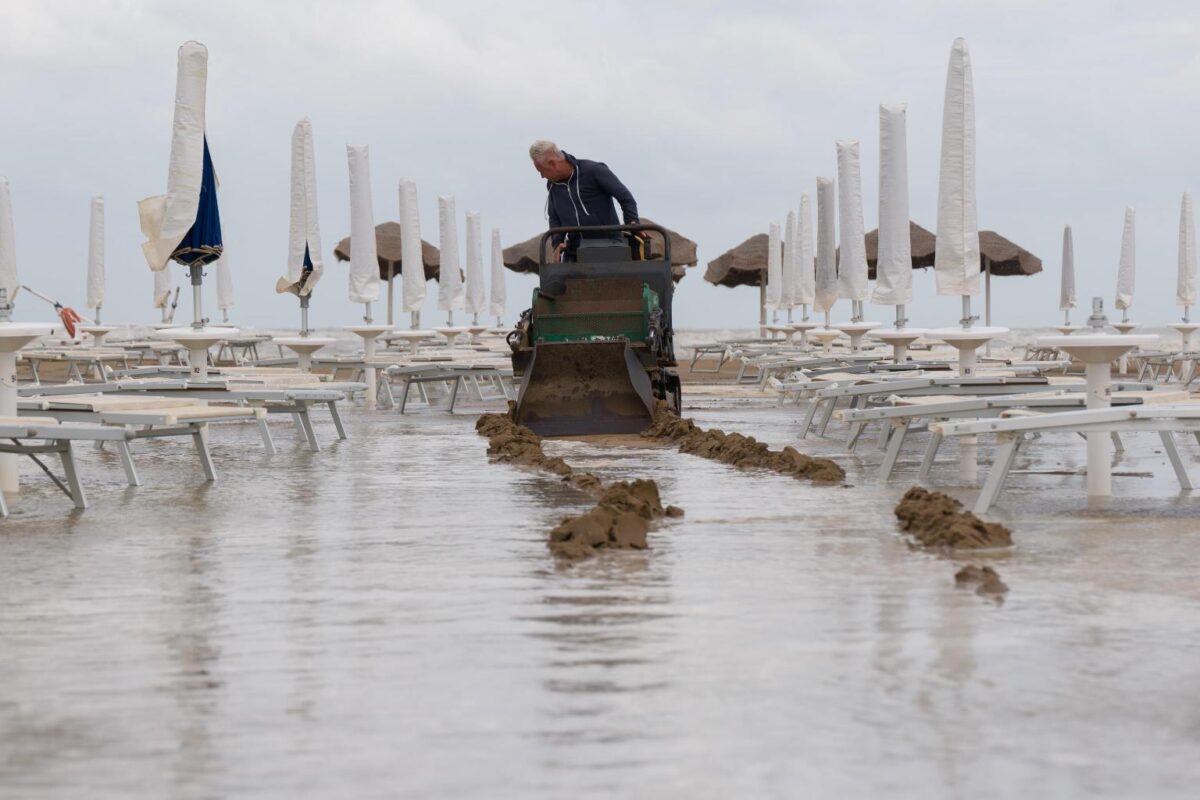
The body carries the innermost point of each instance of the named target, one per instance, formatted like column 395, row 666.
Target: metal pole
column 966, row 311
column 762, row 308
column 987, row 303
column 367, row 318
column 304, row 315
column 391, row 302
column 197, row 311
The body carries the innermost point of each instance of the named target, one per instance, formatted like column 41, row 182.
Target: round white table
column 1067, row 330
column 304, row 347
column 801, row 328
column 413, row 337
column 898, row 338
column 451, row 333
column 197, row 341
column 97, row 332
column 966, row 341
column 1097, row 352
column 856, row 331
column 14, row 336
column 369, row 334
column 826, row 337
column 1186, row 329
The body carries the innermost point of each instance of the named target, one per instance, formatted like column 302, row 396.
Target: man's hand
column 558, row 251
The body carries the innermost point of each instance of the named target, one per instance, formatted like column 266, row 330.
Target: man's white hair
column 542, row 149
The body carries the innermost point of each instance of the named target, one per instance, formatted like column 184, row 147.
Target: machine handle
column 606, row 229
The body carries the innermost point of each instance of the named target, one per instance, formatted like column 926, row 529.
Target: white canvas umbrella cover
column 8, row 250
column 364, row 261
column 774, row 297
column 893, row 266
column 411, row 262
column 1066, row 295
column 805, row 267
column 304, row 230
column 224, row 283
column 475, row 290
column 791, row 262
column 95, row 266
column 499, row 295
column 826, row 288
column 956, row 252
column 1185, row 290
column 450, row 287
column 166, row 219
column 852, row 258
column 1127, row 267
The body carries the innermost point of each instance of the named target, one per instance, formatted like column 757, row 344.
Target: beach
column 383, row 618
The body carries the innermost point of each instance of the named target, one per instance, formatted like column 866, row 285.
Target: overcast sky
column 716, row 115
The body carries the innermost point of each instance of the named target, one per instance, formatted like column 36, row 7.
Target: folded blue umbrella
column 202, row 244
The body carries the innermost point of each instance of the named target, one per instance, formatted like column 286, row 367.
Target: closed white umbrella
column 893, row 267
column 1066, row 293
column 305, row 265
column 166, row 219
column 224, row 286
column 1185, row 290
column 852, row 258
column 364, row 261
column 8, row 250
column 956, row 254
column 1127, row 267
column 411, row 262
column 95, row 268
column 475, row 300
column 956, row 257
column 791, row 261
column 805, row 266
column 826, row 286
column 450, row 286
column 499, row 295
column 774, row 296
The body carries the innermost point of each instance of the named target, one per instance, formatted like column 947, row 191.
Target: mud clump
column 619, row 521
column 739, row 450
column 985, row 580
column 937, row 520
column 624, row 511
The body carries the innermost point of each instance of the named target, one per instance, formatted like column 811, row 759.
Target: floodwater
column 382, row 620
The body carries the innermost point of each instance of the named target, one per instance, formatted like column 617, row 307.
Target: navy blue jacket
column 586, row 198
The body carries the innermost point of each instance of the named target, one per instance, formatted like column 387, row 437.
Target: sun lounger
column 37, row 435
column 144, row 418
column 1011, row 430
column 902, row 414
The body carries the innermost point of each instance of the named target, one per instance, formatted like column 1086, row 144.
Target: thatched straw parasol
column 523, row 257
column 922, row 247
column 1005, row 257
column 387, row 245
column 744, row 265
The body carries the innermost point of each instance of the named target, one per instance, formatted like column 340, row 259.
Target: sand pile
column 620, row 520
column 985, row 580
column 621, row 517
column 938, row 520
column 739, row 450
column 511, row 443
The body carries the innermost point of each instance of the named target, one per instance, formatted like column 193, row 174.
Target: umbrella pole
column 98, row 315
column 415, row 319
column 987, row 303
column 762, row 310
column 304, row 315
column 367, row 316
column 1067, row 316
column 197, row 307
column 391, row 303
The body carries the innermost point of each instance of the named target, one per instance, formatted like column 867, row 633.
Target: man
column 579, row 193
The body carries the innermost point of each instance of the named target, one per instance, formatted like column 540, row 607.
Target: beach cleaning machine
column 595, row 350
